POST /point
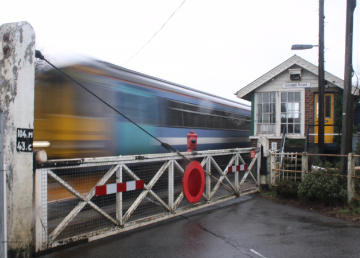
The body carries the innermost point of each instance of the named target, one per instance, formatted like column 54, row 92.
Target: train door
column 141, row 106
column 328, row 117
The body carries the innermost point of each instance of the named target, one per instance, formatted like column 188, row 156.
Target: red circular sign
column 193, row 182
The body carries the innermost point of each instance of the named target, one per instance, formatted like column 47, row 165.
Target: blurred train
column 70, row 123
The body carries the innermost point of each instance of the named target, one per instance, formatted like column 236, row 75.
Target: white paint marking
column 41, row 144
column 257, row 253
column 111, row 188
column 130, row 185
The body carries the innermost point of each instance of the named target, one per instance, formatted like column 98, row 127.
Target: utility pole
column 347, row 115
column 321, row 81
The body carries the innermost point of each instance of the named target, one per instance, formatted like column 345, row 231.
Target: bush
column 357, row 185
column 328, row 189
column 287, row 189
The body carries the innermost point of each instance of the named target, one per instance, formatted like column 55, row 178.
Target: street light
column 321, row 74
column 302, row 46
column 321, row 86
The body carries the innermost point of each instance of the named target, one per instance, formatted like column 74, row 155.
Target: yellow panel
column 328, row 120
column 72, row 135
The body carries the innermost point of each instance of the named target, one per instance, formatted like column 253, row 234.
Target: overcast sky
column 217, row 46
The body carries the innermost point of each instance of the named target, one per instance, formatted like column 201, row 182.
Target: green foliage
column 269, row 194
column 356, row 210
column 357, row 150
column 326, row 188
column 355, row 204
column 330, row 163
column 357, row 184
column 351, row 211
column 345, row 211
column 287, row 189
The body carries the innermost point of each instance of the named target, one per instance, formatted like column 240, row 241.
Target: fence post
column 258, row 156
column 237, row 186
column 350, row 178
column 171, row 185
column 208, row 178
column 304, row 165
column 17, row 79
column 119, row 196
column 41, row 209
column 272, row 169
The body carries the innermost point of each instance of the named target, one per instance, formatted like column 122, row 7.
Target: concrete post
column 258, row 167
column 304, row 165
column 3, row 200
column 17, row 73
column 272, row 170
column 350, row 178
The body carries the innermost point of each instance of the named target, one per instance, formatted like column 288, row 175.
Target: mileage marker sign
column 24, row 140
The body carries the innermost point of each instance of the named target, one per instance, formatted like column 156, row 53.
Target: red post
column 191, row 141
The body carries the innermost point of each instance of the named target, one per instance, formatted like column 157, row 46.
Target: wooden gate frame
column 119, row 166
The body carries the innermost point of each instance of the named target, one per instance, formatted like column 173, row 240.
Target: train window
column 174, row 118
column 140, row 108
column 189, row 115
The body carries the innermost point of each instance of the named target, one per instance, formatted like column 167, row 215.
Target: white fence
column 73, row 203
column 295, row 166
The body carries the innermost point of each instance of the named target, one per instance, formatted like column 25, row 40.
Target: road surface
column 247, row 227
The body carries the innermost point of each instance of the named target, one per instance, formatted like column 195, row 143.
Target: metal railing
column 297, row 165
column 287, row 166
column 69, row 207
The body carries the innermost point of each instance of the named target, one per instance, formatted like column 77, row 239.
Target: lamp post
column 321, row 77
column 348, row 112
column 321, row 86
column 321, row 74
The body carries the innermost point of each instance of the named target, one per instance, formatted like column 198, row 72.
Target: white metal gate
column 69, row 206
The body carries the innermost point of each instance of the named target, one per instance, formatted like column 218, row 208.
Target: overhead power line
column 156, row 33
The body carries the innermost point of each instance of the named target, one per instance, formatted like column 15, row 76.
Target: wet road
column 249, row 227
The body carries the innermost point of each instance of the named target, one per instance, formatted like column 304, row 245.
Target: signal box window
column 266, row 113
column 290, row 112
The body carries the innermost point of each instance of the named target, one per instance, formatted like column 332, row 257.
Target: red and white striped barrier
column 238, row 168
column 119, row 187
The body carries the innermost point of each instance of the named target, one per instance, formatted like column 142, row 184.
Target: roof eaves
column 282, row 67
column 267, row 76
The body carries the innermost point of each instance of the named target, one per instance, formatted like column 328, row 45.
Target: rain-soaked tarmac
column 248, row 227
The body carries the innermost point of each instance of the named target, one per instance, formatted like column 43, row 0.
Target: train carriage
column 73, row 124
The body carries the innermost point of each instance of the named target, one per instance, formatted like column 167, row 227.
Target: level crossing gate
column 93, row 198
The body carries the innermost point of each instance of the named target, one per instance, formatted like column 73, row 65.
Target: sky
column 216, row 46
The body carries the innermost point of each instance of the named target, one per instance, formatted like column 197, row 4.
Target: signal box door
column 328, row 117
